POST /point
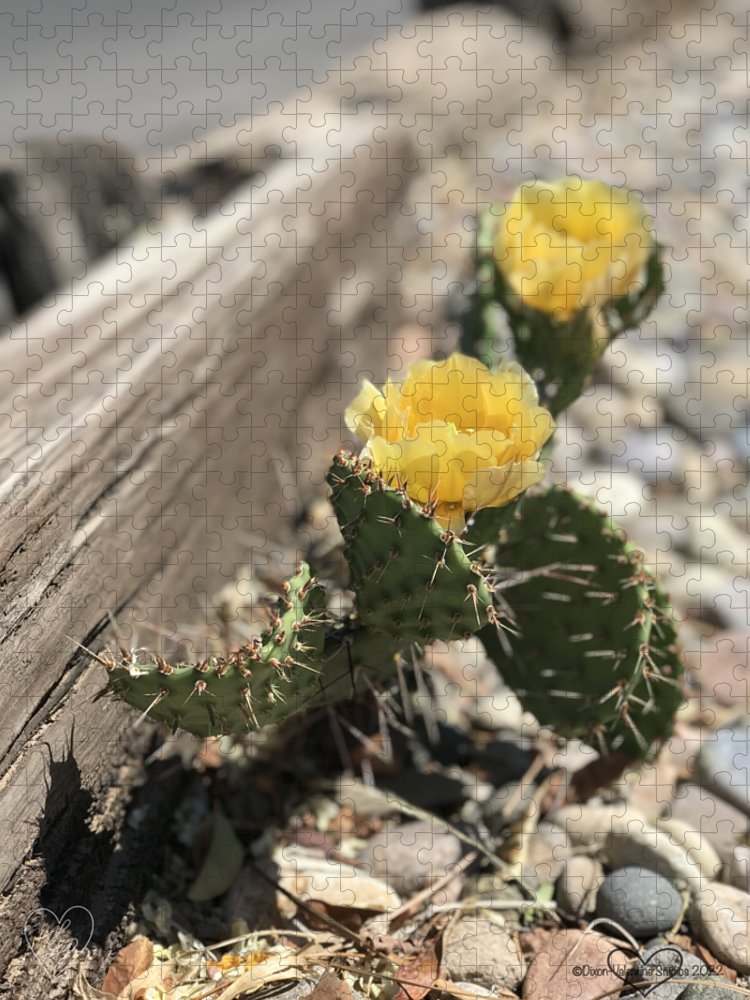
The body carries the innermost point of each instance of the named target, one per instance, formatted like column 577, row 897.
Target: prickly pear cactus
column 412, row 579
column 261, row 683
column 591, row 647
column 594, row 652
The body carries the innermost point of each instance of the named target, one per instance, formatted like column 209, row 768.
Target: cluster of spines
column 411, row 577
column 606, row 665
column 259, row 684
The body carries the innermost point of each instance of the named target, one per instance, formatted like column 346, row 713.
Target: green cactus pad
column 412, row 578
column 595, row 654
column 262, row 683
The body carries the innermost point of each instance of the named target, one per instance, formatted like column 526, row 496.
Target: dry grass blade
column 276, row 968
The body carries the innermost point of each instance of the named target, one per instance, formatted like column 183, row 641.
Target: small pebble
column 724, row 764
column 586, row 827
column 664, row 960
column 712, row 989
column 715, row 820
column 640, row 900
column 650, row 787
column 719, row 668
column 720, row 918
column 411, row 856
column 542, row 863
column 736, row 869
column 480, row 951
column 643, row 845
column 697, row 848
column 577, row 886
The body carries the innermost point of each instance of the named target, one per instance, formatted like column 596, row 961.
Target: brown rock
column 573, row 966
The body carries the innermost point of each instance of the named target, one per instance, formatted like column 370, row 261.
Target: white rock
column 587, row 827
column 697, row 848
column 720, row 917
column 640, row 843
column 316, row 878
column 478, row 950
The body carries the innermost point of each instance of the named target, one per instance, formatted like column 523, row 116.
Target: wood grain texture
column 166, row 418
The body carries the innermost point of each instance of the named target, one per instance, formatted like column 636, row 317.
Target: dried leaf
column 222, row 864
column 417, row 977
column 330, row 987
column 153, row 984
column 83, row 988
column 131, row 962
column 275, row 969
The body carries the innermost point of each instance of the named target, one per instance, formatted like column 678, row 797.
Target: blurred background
column 99, row 99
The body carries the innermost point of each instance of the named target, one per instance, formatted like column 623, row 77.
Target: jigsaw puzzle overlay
column 373, row 503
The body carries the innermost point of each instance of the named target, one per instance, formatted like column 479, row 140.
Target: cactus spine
column 261, row 683
column 412, row 579
column 594, row 652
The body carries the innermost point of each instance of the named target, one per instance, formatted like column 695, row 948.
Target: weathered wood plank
column 163, row 421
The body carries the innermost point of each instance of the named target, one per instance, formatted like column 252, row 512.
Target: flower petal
column 366, row 415
column 455, row 433
column 566, row 245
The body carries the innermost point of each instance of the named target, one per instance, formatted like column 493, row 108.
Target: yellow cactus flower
column 455, row 434
column 573, row 244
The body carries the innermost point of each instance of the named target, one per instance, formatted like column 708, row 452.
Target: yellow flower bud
column 455, row 433
column 573, row 244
